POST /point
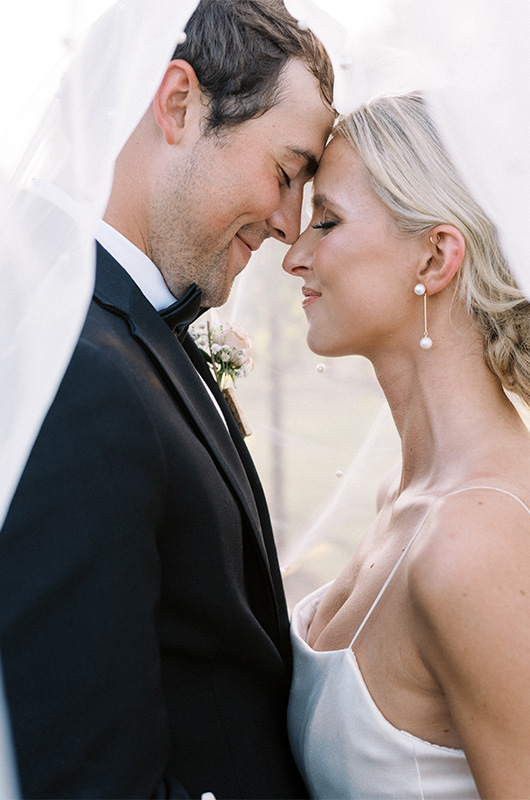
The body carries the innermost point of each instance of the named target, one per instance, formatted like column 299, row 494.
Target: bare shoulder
column 469, row 588
column 470, row 536
column 469, row 572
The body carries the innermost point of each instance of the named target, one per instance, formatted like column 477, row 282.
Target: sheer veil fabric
column 322, row 432
column 50, row 206
column 323, row 435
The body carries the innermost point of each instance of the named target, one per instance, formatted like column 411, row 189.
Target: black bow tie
column 181, row 314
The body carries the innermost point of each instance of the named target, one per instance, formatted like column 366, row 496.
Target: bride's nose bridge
column 299, row 254
column 307, row 241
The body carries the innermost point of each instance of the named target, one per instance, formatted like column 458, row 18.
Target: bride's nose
column 298, row 258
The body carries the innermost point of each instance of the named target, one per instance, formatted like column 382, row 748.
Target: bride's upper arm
column 469, row 579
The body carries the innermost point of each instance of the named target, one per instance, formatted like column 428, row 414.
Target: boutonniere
column 228, row 351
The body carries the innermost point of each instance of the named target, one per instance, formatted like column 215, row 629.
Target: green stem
column 212, row 357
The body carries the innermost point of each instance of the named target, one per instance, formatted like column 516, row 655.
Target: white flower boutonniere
column 228, row 351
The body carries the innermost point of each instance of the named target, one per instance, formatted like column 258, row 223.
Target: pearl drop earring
column 426, row 341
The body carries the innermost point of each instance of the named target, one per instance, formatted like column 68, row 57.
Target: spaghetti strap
column 393, row 572
column 413, row 538
column 493, row 489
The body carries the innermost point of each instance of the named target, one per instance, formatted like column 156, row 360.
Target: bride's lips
column 309, row 296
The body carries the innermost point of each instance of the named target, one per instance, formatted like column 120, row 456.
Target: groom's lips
column 244, row 246
column 251, row 246
column 310, row 295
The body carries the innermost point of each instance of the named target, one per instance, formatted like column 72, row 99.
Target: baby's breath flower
column 228, row 349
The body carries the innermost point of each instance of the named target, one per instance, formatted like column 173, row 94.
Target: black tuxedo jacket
column 144, row 633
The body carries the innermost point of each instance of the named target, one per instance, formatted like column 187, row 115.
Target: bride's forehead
column 338, row 181
column 339, row 160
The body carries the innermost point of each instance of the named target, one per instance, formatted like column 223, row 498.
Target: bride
column 412, row 668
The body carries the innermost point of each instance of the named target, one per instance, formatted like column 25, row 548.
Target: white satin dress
column 343, row 745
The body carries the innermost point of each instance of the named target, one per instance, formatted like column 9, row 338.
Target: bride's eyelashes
column 326, row 225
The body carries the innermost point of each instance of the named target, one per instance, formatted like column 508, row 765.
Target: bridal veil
column 322, row 433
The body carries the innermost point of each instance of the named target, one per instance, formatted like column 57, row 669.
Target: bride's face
column 358, row 270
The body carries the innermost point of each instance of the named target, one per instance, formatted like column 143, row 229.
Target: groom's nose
column 284, row 223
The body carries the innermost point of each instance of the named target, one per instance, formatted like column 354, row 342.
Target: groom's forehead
column 298, row 124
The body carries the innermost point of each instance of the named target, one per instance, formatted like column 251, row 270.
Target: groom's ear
column 177, row 103
column 445, row 248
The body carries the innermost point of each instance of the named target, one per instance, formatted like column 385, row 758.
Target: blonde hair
column 412, row 174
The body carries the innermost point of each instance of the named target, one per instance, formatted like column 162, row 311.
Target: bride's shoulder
column 473, row 538
column 469, row 594
column 479, row 500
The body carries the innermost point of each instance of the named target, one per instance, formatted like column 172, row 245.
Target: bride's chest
column 372, row 600
column 366, row 582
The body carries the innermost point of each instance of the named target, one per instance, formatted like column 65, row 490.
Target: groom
column 144, row 631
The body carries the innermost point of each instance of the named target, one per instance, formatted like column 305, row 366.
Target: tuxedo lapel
column 274, row 570
column 118, row 293
column 202, row 368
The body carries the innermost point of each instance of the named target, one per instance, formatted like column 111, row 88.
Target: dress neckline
column 349, row 655
column 315, row 597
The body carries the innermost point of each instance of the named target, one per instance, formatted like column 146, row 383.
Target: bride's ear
column 445, row 250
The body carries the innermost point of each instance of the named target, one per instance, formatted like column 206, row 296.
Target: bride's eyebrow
column 322, row 201
column 319, row 201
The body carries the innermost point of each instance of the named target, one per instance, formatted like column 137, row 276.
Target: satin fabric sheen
column 343, row 745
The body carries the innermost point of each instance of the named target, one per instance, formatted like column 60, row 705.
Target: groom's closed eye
column 307, row 160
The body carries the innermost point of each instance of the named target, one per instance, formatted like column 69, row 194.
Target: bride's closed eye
column 325, row 225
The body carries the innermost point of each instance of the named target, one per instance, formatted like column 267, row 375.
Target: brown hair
column 238, row 49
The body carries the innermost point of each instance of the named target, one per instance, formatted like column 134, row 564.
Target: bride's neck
column 448, row 408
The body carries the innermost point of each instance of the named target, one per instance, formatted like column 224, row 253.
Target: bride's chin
column 317, row 346
column 329, row 347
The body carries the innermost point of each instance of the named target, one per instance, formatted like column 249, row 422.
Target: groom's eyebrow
column 311, row 161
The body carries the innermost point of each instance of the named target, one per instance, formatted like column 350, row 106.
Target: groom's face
column 232, row 191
